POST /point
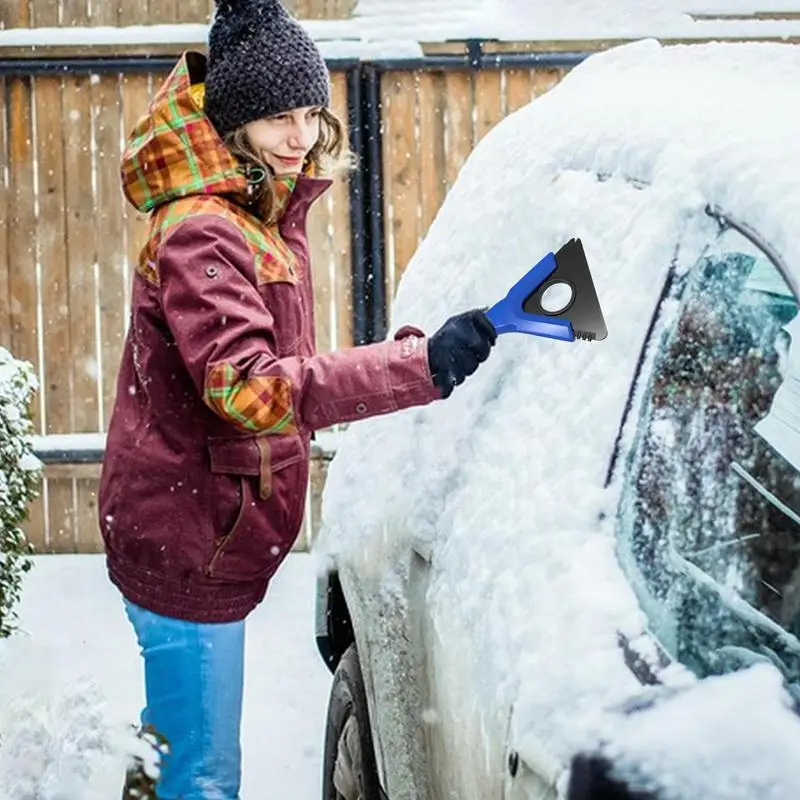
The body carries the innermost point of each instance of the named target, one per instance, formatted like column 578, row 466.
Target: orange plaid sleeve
column 259, row 403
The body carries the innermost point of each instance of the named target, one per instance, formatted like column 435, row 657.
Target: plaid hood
column 174, row 150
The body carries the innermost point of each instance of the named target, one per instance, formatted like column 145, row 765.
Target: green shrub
column 20, row 474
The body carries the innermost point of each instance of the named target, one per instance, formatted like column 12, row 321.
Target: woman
column 220, row 389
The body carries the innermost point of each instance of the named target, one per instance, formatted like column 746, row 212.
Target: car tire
column 349, row 771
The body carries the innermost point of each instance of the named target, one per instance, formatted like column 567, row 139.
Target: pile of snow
column 734, row 736
column 502, row 484
column 71, row 686
column 58, row 740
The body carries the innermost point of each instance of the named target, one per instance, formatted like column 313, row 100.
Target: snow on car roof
column 503, row 483
column 721, row 119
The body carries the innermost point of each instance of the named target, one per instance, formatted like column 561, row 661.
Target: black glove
column 457, row 349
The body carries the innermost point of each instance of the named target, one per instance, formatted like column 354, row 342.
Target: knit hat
column 260, row 62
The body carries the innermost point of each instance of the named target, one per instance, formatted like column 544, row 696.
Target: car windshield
column 710, row 526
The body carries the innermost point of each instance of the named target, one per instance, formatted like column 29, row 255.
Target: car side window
column 709, row 524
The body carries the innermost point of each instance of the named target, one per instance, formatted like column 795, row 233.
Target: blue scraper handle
column 507, row 316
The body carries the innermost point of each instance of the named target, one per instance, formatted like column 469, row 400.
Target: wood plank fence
column 432, row 120
column 69, row 241
column 68, row 248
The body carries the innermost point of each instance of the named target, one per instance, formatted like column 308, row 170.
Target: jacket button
column 212, row 271
column 361, row 408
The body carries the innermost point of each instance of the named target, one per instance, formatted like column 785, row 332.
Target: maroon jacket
column 220, row 388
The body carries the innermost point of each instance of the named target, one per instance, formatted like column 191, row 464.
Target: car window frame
column 646, row 669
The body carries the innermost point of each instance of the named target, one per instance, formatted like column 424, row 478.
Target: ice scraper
column 577, row 316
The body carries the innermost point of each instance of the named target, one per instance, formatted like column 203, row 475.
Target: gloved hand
column 457, row 349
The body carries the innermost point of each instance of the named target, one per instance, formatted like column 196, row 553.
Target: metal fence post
column 376, row 280
column 359, row 249
column 366, row 205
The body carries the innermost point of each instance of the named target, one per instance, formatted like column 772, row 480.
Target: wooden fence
column 68, row 247
column 431, row 122
column 69, row 241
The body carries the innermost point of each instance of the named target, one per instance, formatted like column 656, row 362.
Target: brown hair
column 330, row 156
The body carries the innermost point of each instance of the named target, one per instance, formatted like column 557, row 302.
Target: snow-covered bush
column 60, row 737
column 19, row 478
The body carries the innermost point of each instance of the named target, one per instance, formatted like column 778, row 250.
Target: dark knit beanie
column 260, row 62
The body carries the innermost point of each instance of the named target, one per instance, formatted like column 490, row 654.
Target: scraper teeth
column 585, row 335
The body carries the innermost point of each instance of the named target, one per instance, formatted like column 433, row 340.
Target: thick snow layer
column 70, row 685
column 503, row 483
column 674, row 747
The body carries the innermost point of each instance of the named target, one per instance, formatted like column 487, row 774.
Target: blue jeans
column 194, row 679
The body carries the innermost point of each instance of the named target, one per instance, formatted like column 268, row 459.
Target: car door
column 470, row 748
column 708, row 530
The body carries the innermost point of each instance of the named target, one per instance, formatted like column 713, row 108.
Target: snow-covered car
column 591, row 546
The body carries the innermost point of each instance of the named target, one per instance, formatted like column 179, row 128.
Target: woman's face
column 283, row 141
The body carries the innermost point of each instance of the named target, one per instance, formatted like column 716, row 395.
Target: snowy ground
column 71, row 609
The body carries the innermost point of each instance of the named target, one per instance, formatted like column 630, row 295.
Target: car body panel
column 490, row 620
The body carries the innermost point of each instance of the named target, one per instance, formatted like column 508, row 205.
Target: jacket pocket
column 285, row 302
column 262, row 483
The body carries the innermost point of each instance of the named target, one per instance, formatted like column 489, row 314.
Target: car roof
column 720, row 122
